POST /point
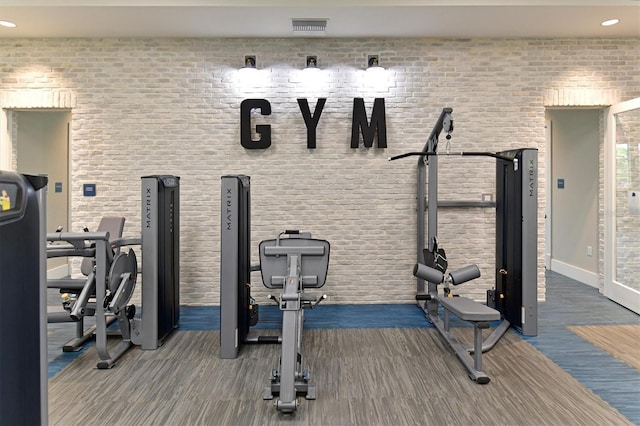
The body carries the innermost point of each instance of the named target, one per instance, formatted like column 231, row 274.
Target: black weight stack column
column 160, row 258
column 517, row 239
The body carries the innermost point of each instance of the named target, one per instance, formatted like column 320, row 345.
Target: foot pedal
column 267, row 394
column 311, row 393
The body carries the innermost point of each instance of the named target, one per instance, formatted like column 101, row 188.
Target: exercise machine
column 160, row 261
column 292, row 265
column 105, row 293
column 514, row 298
column 23, row 323
column 479, row 315
column 238, row 310
column 516, row 291
column 111, row 275
column 78, row 295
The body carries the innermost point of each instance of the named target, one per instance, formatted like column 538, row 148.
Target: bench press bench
column 467, row 310
column 480, row 316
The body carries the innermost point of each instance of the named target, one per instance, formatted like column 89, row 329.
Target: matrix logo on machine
column 148, row 208
column 229, row 211
column 532, row 180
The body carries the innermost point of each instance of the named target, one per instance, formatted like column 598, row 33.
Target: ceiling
column 346, row 18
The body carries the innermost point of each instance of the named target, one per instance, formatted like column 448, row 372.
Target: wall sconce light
column 373, row 61
column 312, row 62
column 312, row 78
column 249, row 62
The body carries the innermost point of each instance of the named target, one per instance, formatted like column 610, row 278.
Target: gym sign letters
column 360, row 123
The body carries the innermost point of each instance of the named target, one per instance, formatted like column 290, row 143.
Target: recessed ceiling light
column 610, row 22
column 7, row 24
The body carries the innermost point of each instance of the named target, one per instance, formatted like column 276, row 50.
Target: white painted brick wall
column 172, row 106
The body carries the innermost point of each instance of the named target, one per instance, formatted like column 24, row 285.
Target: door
column 574, row 140
column 43, row 149
column 622, row 205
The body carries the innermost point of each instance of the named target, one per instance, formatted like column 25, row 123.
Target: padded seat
column 67, row 285
column 469, row 310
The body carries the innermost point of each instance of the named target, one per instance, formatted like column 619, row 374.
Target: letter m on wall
column 361, row 124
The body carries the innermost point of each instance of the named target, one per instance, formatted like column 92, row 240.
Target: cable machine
column 514, row 298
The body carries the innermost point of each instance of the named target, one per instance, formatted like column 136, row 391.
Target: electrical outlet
column 589, row 251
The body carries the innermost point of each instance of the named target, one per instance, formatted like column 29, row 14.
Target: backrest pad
column 310, row 265
column 114, row 225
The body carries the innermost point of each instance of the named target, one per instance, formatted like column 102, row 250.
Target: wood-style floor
column 621, row 341
column 374, row 374
column 363, row 377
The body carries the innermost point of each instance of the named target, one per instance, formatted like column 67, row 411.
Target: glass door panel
column 622, row 205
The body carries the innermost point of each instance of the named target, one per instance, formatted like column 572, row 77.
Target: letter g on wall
column 264, row 130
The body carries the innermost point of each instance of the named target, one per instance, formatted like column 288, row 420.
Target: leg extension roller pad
column 428, row 274
column 462, row 275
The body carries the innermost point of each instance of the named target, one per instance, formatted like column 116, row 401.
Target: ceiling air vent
column 309, row 27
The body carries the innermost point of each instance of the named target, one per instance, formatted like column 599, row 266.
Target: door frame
column 614, row 290
column 548, row 128
column 6, row 128
column 9, row 144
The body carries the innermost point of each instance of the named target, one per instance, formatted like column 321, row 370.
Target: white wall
column 144, row 106
column 574, row 208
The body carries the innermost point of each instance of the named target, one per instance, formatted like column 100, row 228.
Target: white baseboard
column 58, row 272
column 578, row 274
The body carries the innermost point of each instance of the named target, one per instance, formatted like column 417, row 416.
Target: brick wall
column 150, row 106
